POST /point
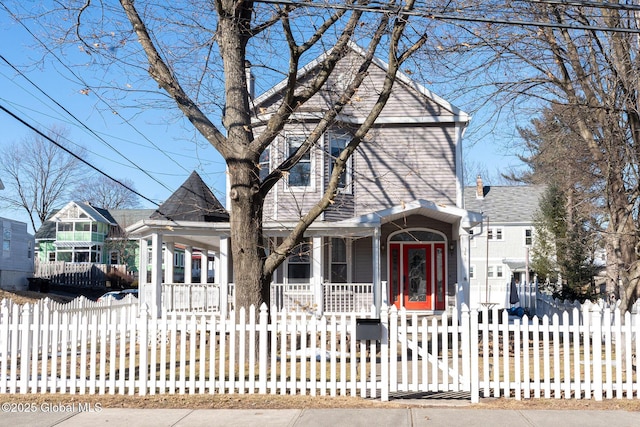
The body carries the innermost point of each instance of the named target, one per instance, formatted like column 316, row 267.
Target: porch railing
column 299, row 297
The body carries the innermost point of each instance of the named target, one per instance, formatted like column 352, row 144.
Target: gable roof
column 505, row 204
column 456, row 115
column 192, row 201
column 97, row 214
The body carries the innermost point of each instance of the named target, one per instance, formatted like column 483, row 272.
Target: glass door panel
column 417, row 276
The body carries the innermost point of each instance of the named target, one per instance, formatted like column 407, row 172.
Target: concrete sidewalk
column 81, row 417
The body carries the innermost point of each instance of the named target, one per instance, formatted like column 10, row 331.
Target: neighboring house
column 499, row 249
column 398, row 224
column 82, row 233
column 76, row 233
column 16, row 255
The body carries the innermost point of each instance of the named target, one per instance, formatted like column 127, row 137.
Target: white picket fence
column 44, row 350
column 548, row 306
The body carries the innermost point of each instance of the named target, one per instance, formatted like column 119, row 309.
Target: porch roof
column 203, row 235
column 207, row 234
column 444, row 213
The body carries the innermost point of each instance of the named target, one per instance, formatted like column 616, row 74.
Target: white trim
column 387, row 120
column 459, row 166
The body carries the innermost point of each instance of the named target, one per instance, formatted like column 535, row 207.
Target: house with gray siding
column 16, row 255
column 398, row 224
column 499, row 248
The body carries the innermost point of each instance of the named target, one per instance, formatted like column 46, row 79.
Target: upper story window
column 300, row 174
column 337, row 144
column 265, row 163
column 495, row 233
column 65, row 226
column 528, row 237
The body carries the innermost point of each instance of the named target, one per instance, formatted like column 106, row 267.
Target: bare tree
column 197, row 53
column 585, row 58
column 103, row 192
column 39, row 175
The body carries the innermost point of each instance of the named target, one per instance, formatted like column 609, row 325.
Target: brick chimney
column 479, row 188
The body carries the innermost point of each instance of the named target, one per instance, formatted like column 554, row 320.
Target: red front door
column 416, row 275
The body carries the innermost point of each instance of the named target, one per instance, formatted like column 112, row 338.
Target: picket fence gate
column 122, row 350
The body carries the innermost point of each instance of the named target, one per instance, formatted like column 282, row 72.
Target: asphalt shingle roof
column 505, row 204
column 193, row 201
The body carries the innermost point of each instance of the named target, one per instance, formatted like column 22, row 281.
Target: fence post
column 25, row 320
column 597, row 351
column 469, row 334
column 263, row 350
column 384, row 353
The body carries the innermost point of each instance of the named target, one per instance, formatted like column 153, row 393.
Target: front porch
column 411, row 256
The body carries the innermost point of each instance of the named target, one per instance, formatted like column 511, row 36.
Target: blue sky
column 153, row 147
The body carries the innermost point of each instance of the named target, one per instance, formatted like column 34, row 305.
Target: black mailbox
column 368, row 329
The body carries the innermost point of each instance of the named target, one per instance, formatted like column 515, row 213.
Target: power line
column 44, row 45
column 36, row 130
column 421, row 12
column 80, row 122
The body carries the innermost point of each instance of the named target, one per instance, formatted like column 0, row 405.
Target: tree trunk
column 251, row 287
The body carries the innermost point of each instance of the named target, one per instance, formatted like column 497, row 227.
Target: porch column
column 155, row 305
column 168, row 262
column 317, row 273
column 375, row 255
column 463, row 285
column 188, row 264
column 204, row 266
column 142, row 270
column 216, row 267
column 223, row 276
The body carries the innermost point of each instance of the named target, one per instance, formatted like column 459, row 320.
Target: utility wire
column 420, row 12
column 81, row 123
column 44, row 45
column 36, row 130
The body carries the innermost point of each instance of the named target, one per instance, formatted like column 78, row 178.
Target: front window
column 528, row 237
column 338, row 143
column 299, row 264
column 338, row 260
column 300, row 174
column 472, row 272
